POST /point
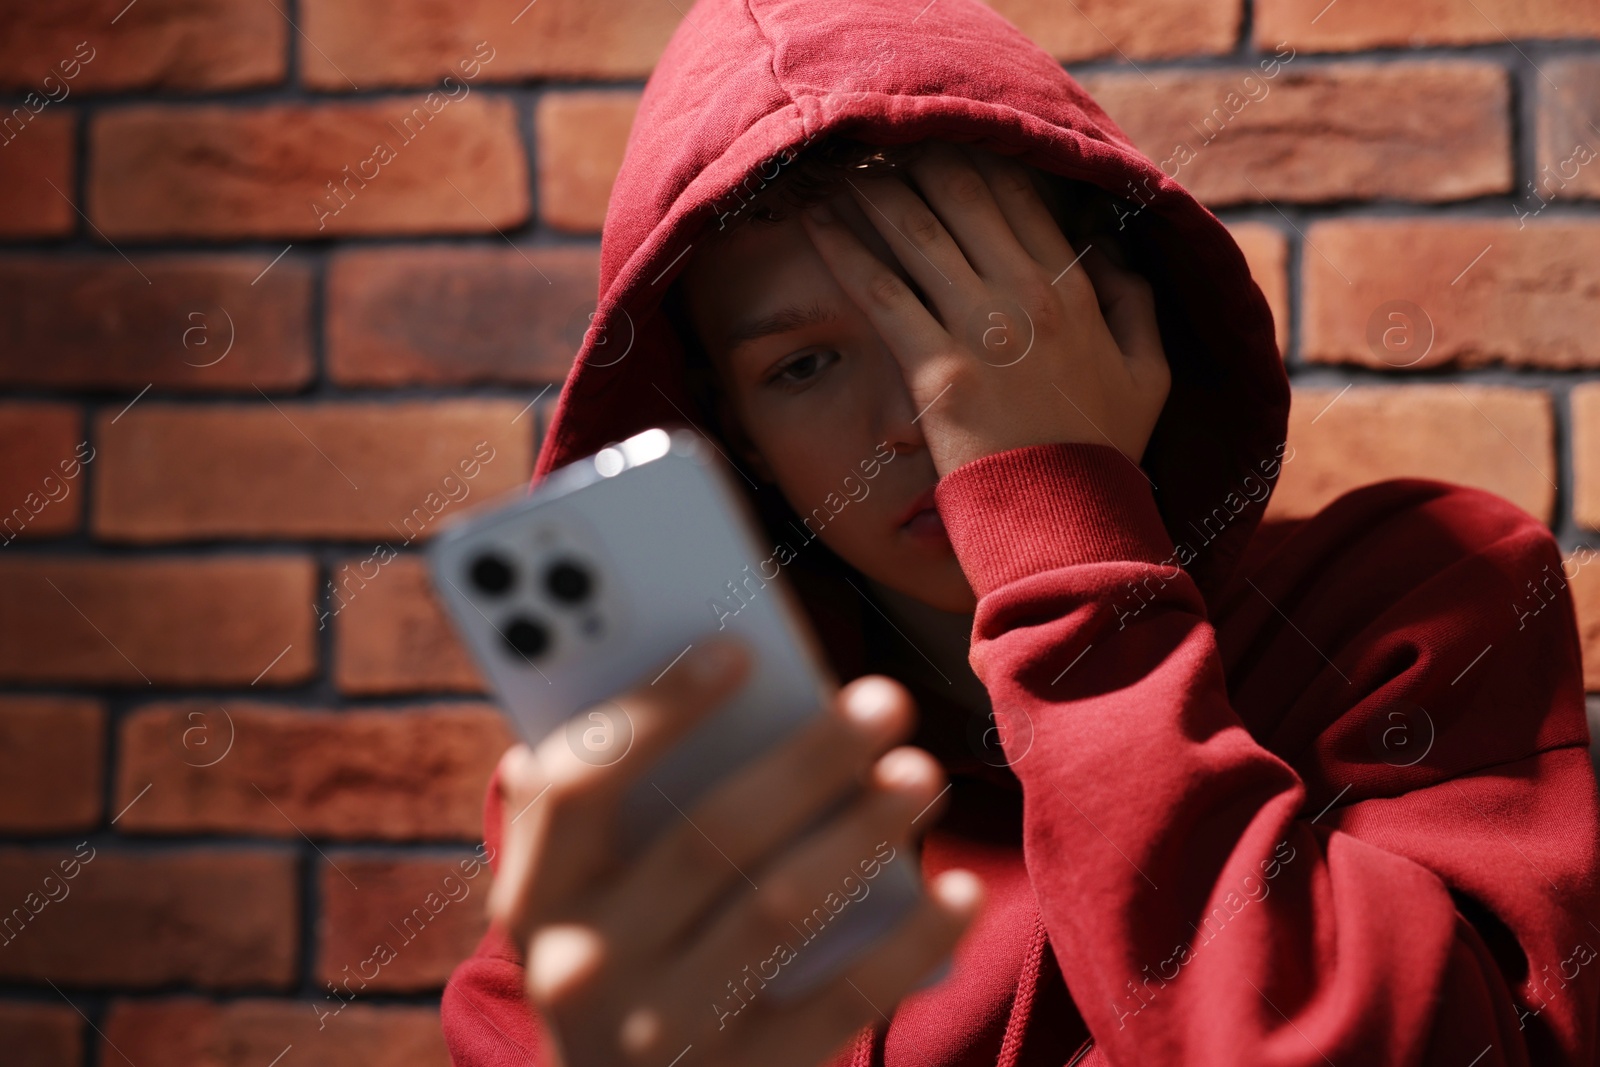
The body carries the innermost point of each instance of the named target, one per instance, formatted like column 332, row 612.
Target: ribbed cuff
column 1029, row 510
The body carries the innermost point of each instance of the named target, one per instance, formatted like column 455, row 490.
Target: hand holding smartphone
column 761, row 828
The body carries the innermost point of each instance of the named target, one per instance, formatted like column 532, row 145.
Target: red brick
column 418, row 42
column 412, row 920
column 218, row 620
column 251, row 1033
column 219, row 919
column 391, row 775
column 220, row 171
column 167, row 44
column 580, row 138
column 52, row 763
column 458, row 316
column 38, row 1034
column 98, row 323
column 373, row 44
column 37, row 150
column 1582, row 569
column 1266, row 249
column 1351, row 25
column 1094, row 29
column 1586, row 454
column 1567, row 143
column 1528, row 301
column 40, row 443
column 1493, row 438
column 1426, row 131
column 392, row 634
column 346, row 470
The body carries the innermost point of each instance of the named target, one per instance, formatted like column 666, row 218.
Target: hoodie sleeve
column 485, row 1014
column 1332, row 899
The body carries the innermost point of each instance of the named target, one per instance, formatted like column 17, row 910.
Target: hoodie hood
column 745, row 83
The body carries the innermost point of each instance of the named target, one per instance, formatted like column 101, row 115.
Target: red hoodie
column 1311, row 793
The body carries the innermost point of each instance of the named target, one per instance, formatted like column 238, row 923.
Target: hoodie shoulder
column 1418, row 523
column 1407, row 612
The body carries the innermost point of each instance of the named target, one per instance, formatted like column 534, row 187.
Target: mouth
column 921, row 505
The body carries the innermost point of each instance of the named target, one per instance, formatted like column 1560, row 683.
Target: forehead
column 759, row 250
column 761, row 265
column 750, row 271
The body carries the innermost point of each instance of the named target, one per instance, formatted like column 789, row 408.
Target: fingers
column 920, row 242
column 910, row 330
column 869, row 990
column 521, row 786
column 559, row 802
column 740, row 822
column 561, row 959
column 651, row 717
column 960, row 195
column 1128, row 305
column 793, row 889
column 1035, row 228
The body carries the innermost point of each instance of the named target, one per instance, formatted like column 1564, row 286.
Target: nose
column 896, row 419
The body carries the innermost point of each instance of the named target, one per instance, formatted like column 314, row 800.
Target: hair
column 823, row 167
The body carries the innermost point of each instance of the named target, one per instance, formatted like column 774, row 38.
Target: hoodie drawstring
column 1016, row 1021
column 1022, row 1003
column 862, row 1056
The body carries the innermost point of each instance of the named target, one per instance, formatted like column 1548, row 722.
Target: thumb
column 1127, row 302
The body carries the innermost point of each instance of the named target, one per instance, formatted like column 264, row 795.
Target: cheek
column 814, row 446
column 810, row 463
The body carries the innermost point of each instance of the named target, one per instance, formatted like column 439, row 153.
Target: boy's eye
column 800, row 368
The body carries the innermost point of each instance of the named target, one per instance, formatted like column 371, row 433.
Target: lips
column 923, row 502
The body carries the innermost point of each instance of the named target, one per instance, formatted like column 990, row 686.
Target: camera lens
column 568, row 582
column 526, row 637
column 491, row 574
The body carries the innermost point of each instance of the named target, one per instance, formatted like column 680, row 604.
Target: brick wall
column 238, row 748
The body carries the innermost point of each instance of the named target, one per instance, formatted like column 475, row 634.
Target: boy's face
column 820, row 403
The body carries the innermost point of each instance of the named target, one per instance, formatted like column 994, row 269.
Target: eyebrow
column 786, row 319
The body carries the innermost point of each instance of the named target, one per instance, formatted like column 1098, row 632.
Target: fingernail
column 959, row 887
column 903, row 767
column 820, row 213
column 870, row 703
column 710, row 662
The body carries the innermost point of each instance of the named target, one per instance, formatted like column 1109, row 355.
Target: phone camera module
column 568, row 582
column 491, row 574
column 526, row 637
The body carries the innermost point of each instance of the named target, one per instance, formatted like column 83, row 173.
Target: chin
column 942, row 586
column 958, row 601
column 941, row 583
column 922, row 568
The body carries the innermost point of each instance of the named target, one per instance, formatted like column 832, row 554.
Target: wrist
column 1019, row 512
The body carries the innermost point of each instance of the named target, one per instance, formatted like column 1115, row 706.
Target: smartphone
column 615, row 565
